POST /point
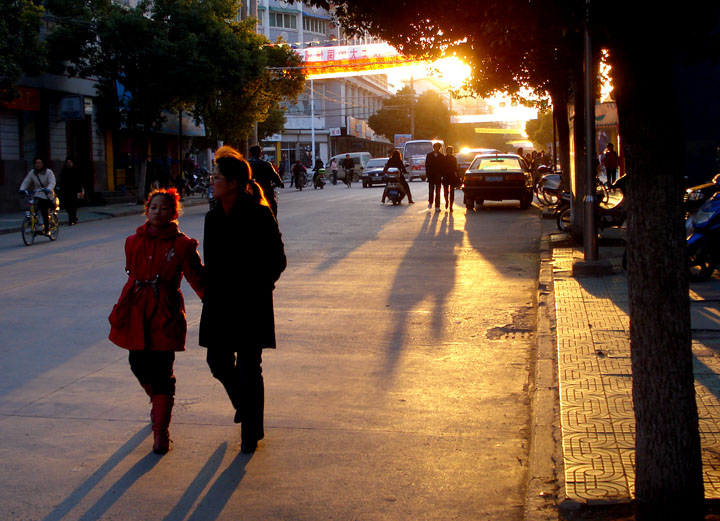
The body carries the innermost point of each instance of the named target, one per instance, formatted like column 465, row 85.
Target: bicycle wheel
column 54, row 227
column 28, row 231
column 563, row 220
column 602, row 192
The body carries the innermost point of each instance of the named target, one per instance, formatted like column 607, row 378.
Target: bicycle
column 30, row 224
column 349, row 177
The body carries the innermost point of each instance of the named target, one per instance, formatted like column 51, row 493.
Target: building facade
column 330, row 116
column 53, row 118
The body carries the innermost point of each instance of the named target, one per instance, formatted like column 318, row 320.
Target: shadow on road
column 90, row 483
column 212, row 505
column 198, row 484
column 433, row 255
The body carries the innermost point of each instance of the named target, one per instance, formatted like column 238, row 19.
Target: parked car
column 414, row 155
column 373, row 173
column 359, row 158
column 466, row 155
column 497, row 177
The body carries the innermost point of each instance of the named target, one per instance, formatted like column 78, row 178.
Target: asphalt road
column 398, row 391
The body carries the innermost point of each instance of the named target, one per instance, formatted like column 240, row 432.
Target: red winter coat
column 150, row 313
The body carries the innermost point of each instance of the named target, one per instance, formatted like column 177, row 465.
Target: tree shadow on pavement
column 89, row 484
column 432, row 254
column 198, row 484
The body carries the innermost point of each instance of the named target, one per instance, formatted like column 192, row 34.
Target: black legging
column 241, row 375
column 154, row 368
column 434, row 189
column 43, row 208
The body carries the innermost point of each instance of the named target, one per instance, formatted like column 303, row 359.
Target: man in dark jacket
column 434, row 168
column 266, row 176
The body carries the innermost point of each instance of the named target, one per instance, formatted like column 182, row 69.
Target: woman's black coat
column 244, row 257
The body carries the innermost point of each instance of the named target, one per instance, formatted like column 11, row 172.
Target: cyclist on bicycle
column 43, row 180
column 349, row 166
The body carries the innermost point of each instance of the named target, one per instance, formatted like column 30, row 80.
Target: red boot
column 162, row 405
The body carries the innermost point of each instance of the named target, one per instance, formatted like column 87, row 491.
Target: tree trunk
column 668, row 480
column 559, row 101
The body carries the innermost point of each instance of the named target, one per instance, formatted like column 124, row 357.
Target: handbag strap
column 37, row 176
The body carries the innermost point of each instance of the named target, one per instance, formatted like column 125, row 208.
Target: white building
column 331, row 113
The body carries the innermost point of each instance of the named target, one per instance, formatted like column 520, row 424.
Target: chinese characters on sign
column 323, row 61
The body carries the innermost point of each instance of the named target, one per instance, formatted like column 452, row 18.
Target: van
column 359, row 158
column 414, row 155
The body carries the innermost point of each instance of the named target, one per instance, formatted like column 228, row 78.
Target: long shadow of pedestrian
column 84, row 489
column 433, row 254
column 122, row 485
column 212, row 505
column 198, row 484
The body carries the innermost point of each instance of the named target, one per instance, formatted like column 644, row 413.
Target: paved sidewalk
column 595, row 380
column 12, row 222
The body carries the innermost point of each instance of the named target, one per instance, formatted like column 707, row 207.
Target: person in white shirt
column 43, row 179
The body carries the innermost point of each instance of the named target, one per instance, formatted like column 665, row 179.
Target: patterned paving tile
column 595, row 377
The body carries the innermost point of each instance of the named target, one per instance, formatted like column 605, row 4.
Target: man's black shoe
column 248, row 447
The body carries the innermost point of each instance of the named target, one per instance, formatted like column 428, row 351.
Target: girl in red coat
column 149, row 318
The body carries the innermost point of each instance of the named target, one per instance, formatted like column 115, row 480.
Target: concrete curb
column 545, row 457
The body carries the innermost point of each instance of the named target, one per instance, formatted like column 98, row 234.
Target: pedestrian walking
column 43, row 179
column 266, row 176
column 450, row 179
column 434, row 166
column 299, row 175
column 334, row 170
column 611, row 162
column 244, row 257
column 149, row 318
column 71, row 189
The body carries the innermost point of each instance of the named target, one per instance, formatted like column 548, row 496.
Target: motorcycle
column 703, row 239
column 549, row 189
column 318, row 181
column 696, row 196
column 393, row 188
column 607, row 216
column 199, row 182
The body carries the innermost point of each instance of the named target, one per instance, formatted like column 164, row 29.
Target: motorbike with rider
column 395, row 162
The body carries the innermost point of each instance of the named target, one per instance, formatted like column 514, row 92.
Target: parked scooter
column 703, row 239
column 607, row 216
column 695, row 196
column 549, row 189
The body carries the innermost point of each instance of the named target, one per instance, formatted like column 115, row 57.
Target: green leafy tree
column 514, row 44
column 175, row 55
column 393, row 116
column 273, row 124
column 256, row 76
column 540, row 130
column 21, row 50
column 432, row 116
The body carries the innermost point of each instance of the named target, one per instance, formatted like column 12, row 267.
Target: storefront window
column 29, row 136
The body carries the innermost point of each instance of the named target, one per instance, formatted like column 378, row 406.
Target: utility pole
column 590, row 228
column 312, row 119
column 412, row 106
